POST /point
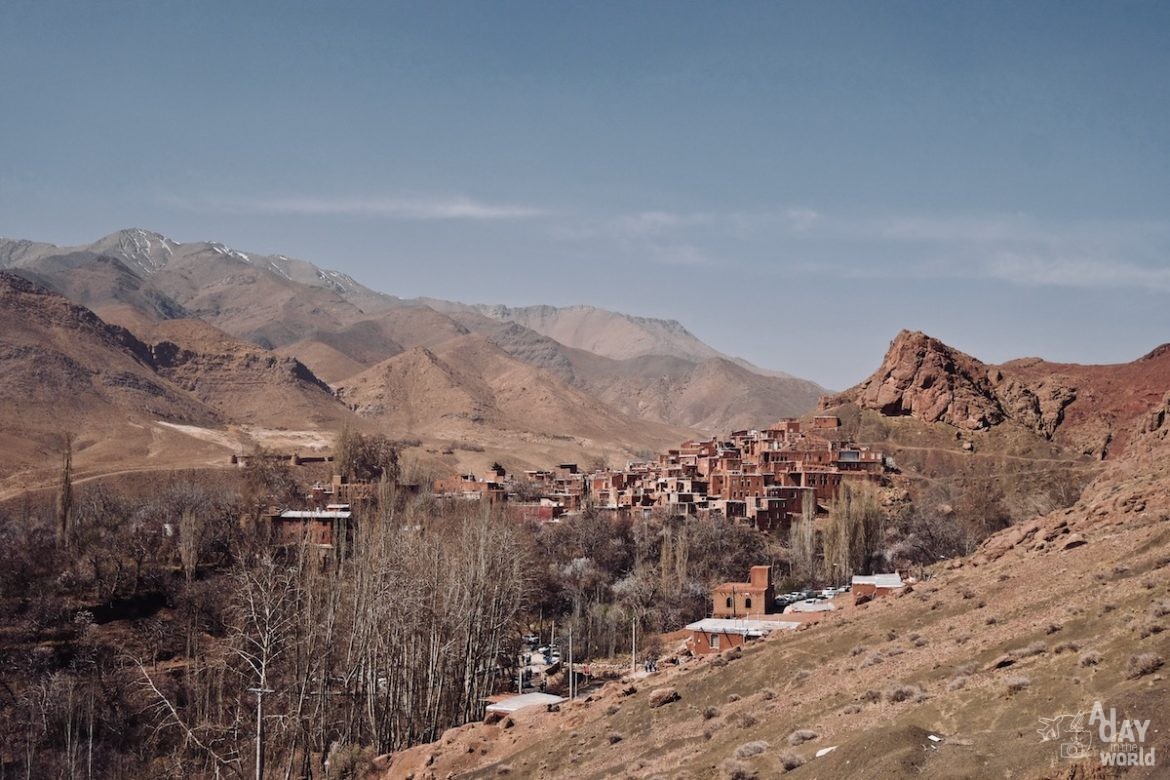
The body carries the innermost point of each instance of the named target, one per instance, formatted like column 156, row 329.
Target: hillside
column 64, row 371
column 976, row 654
column 713, row 395
column 470, row 391
column 1089, row 409
column 643, row 367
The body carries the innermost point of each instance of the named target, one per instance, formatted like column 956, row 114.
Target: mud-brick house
column 325, row 529
column 865, row 588
column 745, row 599
column 713, row 635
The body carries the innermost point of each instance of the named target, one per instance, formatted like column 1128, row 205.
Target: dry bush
column 1017, row 684
column 902, row 692
column 1036, row 648
column 614, row 738
column 747, row 720
column 791, row 761
column 873, row 660
column 749, row 749
column 710, row 712
column 732, row 697
column 871, row 696
column 1065, row 647
column 851, row 709
column 800, row 736
column 733, row 770
column 1052, row 628
column 1161, row 609
column 1142, row 664
column 768, row 694
column 957, row 683
column 801, row 675
column 1090, row 658
column 857, row 650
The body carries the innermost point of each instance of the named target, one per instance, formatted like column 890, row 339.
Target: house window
column 747, row 603
column 713, row 641
column 729, row 602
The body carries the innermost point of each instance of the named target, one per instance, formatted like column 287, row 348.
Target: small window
column 729, row 602
column 713, row 641
column 748, row 602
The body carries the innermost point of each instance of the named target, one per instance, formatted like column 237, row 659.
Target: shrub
column 1065, row 647
column 1036, row 648
column 957, row 683
column 791, row 761
column 873, row 660
column 732, row 697
column 857, row 650
column 900, row 693
column 614, row 738
column 768, row 694
column 747, row 720
column 733, row 770
column 1142, row 664
column 749, row 749
column 1052, row 628
column 710, row 712
column 1161, row 609
column 851, row 709
column 871, row 696
column 1017, row 684
column 612, row 709
column 1090, row 658
column 800, row 736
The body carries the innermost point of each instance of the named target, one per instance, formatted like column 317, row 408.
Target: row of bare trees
column 389, row 648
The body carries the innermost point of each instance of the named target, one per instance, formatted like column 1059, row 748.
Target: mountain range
column 262, row 343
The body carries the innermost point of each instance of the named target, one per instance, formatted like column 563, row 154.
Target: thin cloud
column 683, row 255
column 1084, row 273
column 386, row 207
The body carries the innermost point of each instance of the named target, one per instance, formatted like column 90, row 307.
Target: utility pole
column 633, row 646
column 571, row 691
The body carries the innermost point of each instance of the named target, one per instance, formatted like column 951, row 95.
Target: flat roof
column 521, row 701
column 880, row 580
column 742, row 627
column 315, row 514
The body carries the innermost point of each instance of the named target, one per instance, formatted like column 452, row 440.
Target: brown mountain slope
column 1047, row 618
column 649, row 368
column 713, row 395
column 471, row 391
column 63, row 370
column 1091, row 409
column 245, row 383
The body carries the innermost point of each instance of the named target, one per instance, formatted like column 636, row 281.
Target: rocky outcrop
column 924, row 378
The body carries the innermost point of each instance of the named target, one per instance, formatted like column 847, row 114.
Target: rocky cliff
column 1091, row 408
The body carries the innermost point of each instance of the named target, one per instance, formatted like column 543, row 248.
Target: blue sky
column 794, row 182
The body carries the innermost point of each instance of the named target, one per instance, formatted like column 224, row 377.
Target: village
column 766, row 479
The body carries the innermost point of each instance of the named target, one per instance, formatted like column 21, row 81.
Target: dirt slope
column 1045, row 619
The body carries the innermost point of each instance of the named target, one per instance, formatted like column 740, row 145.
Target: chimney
column 761, row 576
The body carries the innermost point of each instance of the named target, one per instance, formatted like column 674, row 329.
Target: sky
column 794, row 182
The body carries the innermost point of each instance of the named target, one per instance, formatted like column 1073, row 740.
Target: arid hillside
column 1088, row 409
column 643, row 367
column 950, row 679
